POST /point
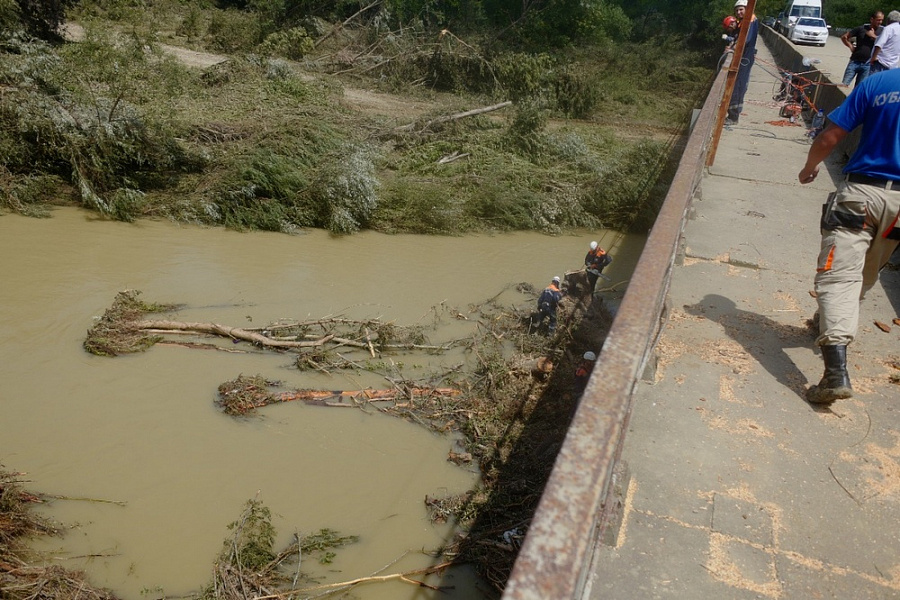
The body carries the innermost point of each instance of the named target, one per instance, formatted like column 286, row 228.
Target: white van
column 799, row 8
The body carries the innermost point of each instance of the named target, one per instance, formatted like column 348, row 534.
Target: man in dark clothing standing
column 594, row 262
column 742, row 81
column 547, row 303
column 863, row 39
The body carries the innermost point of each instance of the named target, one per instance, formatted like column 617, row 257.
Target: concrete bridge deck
column 738, row 488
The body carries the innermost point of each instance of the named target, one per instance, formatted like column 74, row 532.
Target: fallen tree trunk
column 232, row 332
column 247, row 393
column 124, row 329
column 454, row 117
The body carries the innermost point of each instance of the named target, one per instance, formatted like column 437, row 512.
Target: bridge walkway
column 737, row 487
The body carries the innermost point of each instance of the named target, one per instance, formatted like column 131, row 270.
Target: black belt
column 887, row 184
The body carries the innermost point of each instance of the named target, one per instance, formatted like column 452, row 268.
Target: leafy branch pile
column 115, row 332
column 249, row 566
column 21, row 577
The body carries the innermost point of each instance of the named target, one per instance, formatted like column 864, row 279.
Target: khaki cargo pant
column 859, row 233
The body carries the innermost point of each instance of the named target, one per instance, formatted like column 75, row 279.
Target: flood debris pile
column 118, row 331
column 244, row 394
column 21, row 576
column 249, row 567
column 124, row 328
column 515, row 437
column 509, row 403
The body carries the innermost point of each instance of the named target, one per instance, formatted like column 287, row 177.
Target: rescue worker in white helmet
column 583, row 372
column 594, row 262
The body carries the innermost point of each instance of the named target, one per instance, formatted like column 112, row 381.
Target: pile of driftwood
column 249, row 567
column 434, row 405
column 20, row 580
column 510, row 399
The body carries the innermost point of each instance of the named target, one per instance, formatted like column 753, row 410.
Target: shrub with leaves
column 292, row 43
column 522, row 75
column 526, row 130
column 232, row 31
column 346, row 191
column 74, row 115
column 9, row 16
column 575, row 90
column 41, row 18
column 621, row 197
column 191, row 25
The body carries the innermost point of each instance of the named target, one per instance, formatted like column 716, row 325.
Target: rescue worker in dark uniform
column 594, row 262
column 547, row 303
column 742, row 81
column 583, row 372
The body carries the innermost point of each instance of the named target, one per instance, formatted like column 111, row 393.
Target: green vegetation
column 850, row 13
column 276, row 137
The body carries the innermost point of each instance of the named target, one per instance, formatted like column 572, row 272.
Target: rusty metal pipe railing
column 554, row 561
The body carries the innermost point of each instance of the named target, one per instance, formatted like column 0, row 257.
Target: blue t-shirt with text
column 874, row 104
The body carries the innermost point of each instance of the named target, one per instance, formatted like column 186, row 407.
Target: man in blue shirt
column 859, row 225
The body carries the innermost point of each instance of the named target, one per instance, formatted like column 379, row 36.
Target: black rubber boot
column 835, row 384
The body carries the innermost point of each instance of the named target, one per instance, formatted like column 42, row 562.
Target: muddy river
column 143, row 431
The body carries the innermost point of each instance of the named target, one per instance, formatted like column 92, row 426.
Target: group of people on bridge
column 873, row 47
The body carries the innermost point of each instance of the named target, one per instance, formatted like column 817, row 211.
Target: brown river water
column 143, row 429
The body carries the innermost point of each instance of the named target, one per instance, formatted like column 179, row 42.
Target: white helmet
column 590, row 355
column 740, row 3
column 556, row 279
column 594, row 245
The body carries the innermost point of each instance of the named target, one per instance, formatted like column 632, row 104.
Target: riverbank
column 259, row 141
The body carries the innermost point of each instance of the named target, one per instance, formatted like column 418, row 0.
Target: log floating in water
column 244, row 394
